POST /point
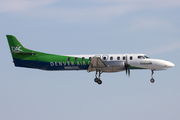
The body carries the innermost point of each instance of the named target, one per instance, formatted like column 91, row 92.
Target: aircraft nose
column 169, row 64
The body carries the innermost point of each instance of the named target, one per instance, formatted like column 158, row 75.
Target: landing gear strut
column 97, row 79
column 152, row 79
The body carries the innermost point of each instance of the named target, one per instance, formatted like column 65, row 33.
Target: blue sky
column 90, row 27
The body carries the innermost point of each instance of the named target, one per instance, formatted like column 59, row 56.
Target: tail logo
column 16, row 49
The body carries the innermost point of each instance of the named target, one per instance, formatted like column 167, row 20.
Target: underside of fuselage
column 47, row 65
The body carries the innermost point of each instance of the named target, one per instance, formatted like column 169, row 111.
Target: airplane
column 23, row 57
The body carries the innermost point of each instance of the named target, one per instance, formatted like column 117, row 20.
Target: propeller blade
column 126, row 67
column 126, row 60
column 126, row 71
column 129, row 72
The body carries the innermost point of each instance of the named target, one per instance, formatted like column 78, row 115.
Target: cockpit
column 143, row 57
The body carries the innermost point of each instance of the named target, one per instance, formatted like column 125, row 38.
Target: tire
column 96, row 80
column 152, row 80
column 99, row 82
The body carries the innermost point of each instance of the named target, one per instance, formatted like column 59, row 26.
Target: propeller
column 126, row 66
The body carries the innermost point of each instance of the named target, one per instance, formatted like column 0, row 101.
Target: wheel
column 96, row 80
column 152, row 80
column 99, row 82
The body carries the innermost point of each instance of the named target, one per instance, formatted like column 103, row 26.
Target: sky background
column 90, row 27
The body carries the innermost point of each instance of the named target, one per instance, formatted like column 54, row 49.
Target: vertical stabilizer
column 15, row 46
column 18, row 51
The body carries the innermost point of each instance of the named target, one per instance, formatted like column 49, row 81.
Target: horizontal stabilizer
column 29, row 53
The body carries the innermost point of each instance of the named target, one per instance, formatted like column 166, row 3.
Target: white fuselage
column 115, row 62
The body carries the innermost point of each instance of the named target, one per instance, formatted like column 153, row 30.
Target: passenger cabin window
column 75, row 58
column 140, row 57
column 124, row 58
column 104, row 58
column 118, row 58
column 131, row 57
column 83, row 58
column 111, row 58
column 90, row 58
column 69, row 58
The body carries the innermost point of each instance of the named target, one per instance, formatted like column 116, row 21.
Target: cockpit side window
column 140, row 57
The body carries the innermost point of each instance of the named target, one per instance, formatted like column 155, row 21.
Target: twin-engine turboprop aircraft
column 23, row 57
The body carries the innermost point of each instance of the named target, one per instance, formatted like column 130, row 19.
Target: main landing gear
column 152, row 79
column 97, row 79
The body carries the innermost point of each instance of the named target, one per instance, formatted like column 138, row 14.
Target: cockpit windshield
column 143, row 57
column 146, row 57
column 140, row 57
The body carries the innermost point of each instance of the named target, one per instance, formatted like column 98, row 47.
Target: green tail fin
column 15, row 46
column 17, row 49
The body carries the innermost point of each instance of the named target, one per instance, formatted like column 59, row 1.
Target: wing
column 96, row 63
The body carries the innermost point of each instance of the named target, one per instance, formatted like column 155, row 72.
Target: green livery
column 24, row 57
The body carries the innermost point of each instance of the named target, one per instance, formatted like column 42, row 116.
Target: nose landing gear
column 97, row 79
column 152, row 79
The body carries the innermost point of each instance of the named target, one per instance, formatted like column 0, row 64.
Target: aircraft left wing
column 96, row 63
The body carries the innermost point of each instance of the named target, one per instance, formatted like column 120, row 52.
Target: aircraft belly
column 47, row 66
